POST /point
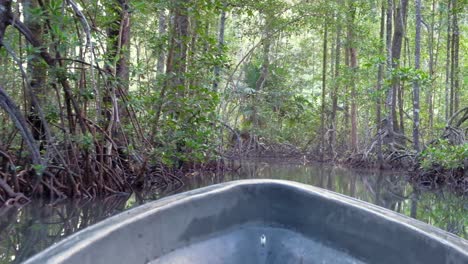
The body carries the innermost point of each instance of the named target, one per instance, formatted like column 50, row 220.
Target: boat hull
column 258, row 221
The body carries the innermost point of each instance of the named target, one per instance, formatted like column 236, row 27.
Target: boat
column 258, row 221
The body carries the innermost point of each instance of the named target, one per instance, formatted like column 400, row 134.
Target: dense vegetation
column 104, row 96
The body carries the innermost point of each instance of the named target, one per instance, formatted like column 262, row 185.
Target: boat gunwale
column 86, row 237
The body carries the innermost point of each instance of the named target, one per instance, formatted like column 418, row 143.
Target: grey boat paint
column 258, row 221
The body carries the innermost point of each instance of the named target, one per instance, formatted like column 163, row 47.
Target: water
column 26, row 231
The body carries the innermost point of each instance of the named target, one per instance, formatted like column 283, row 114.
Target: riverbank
column 19, row 187
column 430, row 176
column 151, row 178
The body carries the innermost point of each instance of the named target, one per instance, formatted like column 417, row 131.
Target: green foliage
column 38, row 169
column 183, row 83
column 444, row 154
column 412, row 75
column 85, row 141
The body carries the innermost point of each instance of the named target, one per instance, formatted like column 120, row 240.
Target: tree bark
column 180, row 41
column 380, row 75
column 390, row 94
column 401, row 96
column 122, row 68
column 400, row 14
column 20, row 122
column 37, row 73
column 162, row 28
column 5, row 15
column 417, row 57
column 430, row 89
column 118, row 50
column 334, row 93
column 264, row 70
column 217, row 69
column 447, row 64
column 452, row 62
column 346, row 126
column 456, row 57
column 353, row 66
column 176, row 62
column 324, row 83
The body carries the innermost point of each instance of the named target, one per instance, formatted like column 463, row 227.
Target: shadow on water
column 26, row 231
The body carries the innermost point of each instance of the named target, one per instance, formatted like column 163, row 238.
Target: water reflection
column 26, row 231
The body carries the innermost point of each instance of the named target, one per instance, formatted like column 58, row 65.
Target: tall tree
column 221, row 32
column 324, row 83
column 455, row 58
column 37, row 71
column 5, row 14
column 398, row 32
column 380, row 76
column 353, row 67
column 177, row 65
column 162, row 27
column 430, row 47
column 447, row 63
column 176, row 62
column 123, row 44
column 397, row 41
column 118, row 50
column 417, row 66
column 390, row 95
column 265, row 66
column 334, row 93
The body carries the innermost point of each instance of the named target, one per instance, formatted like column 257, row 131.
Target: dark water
column 26, row 231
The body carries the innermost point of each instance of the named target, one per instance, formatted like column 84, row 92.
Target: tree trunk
column 346, row 126
column 379, row 88
column 195, row 26
column 405, row 62
column 334, row 93
column 162, row 25
column 400, row 14
column 353, row 66
column 5, row 14
column 180, row 37
column 324, row 83
column 176, row 64
column 123, row 45
column 169, row 70
column 260, row 83
column 452, row 62
column 401, row 96
column 417, row 56
column 37, row 73
column 20, row 122
column 390, row 94
column 447, row 64
column 118, row 49
column 217, row 69
column 430, row 89
column 455, row 58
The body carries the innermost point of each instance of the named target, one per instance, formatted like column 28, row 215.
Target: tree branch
column 20, row 122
